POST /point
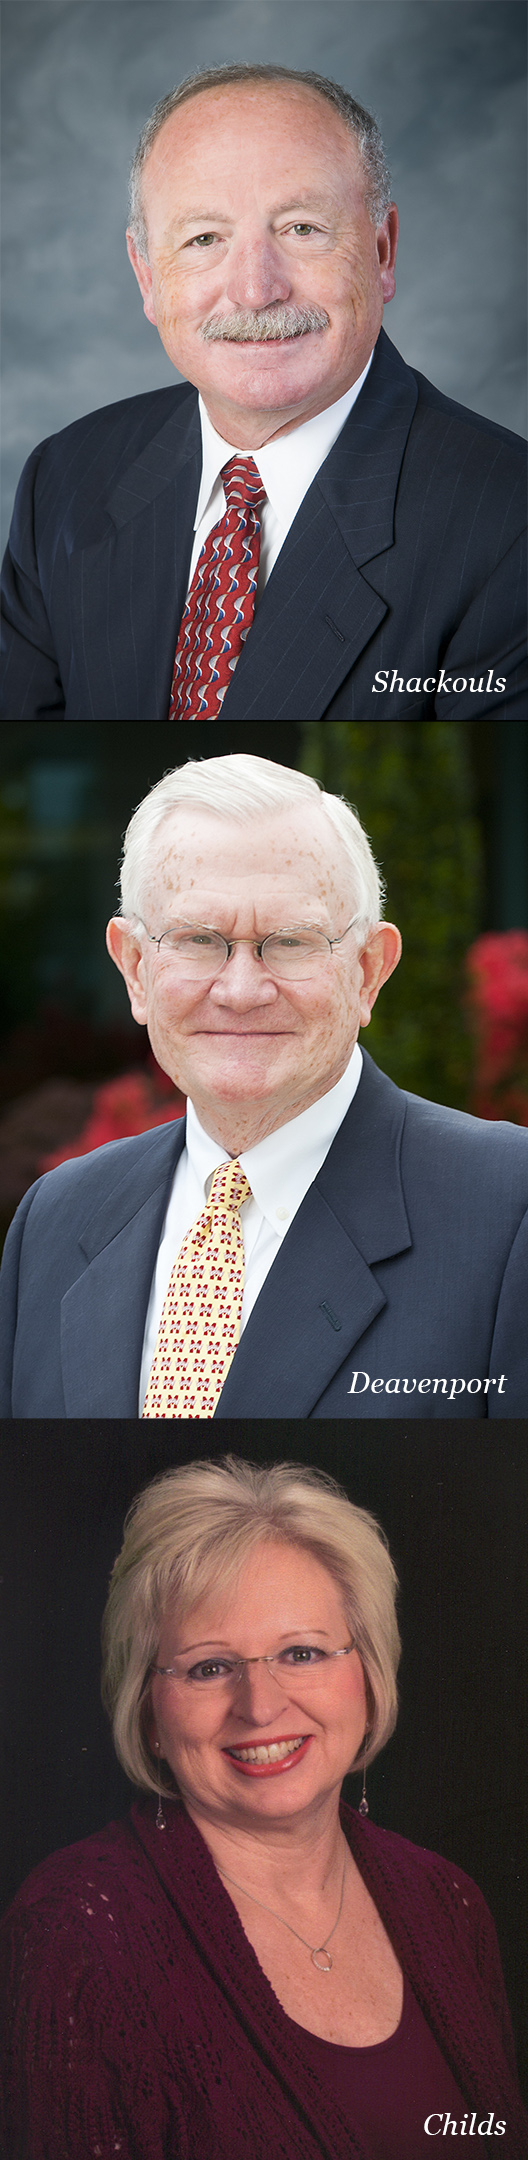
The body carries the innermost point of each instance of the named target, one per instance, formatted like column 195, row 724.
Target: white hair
column 240, row 788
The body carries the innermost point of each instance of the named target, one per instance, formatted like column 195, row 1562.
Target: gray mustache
column 247, row 326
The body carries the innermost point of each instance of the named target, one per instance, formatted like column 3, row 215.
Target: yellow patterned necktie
column 200, row 1322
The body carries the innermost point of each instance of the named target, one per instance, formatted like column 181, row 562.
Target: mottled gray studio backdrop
column 446, row 80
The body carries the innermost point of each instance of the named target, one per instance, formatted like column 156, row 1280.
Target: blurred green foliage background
column 445, row 804
column 412, row 785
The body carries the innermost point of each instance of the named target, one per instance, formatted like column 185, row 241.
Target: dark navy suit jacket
column 408, row 1259
column 406, row 555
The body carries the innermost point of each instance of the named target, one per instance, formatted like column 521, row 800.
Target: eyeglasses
column 198, row 953
column 301, row 1665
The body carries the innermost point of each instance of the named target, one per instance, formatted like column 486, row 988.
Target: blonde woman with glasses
column 245, row 1966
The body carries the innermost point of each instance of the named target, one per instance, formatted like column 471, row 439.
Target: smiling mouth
column 267, row 1033
column 269, row 1758
column 244, row 1034
column 272, row 337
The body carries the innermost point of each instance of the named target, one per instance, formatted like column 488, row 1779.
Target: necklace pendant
column 316, row 1956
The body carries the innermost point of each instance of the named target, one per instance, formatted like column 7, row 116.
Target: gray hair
column 195, row 1527
column 361, row 124
column 241, row 787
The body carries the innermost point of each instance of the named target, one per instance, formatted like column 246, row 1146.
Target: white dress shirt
column 287, row 466
column 279, row 1170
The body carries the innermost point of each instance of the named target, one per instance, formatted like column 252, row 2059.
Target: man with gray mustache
column 246, row 544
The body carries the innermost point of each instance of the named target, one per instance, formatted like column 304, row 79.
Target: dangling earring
column 363, row 1805
column 160, row 1818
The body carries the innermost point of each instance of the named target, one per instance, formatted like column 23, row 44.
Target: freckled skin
column 251, row 1052
column 277, row 183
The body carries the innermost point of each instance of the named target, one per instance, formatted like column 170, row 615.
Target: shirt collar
column 281, row 1168
column 287, row 466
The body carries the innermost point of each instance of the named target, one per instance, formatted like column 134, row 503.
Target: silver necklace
column 321, row 1949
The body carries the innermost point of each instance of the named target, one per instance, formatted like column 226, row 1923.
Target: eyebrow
column 220, row 1642
column 184, row 923
column 205, row 218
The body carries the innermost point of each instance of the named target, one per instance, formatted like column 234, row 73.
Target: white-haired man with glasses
column 310, row 1241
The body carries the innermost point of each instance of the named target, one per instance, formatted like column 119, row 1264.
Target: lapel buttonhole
column 331, row 1316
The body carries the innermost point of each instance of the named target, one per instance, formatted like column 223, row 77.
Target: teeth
column 274, row 1753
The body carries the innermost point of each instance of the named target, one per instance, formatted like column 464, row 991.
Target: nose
column 256, row 274
column 259, row 1696
column 243, row 982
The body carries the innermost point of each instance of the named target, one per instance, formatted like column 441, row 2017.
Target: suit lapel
column 103, row 1314
column 318, row 1297
column 318, row 611
column 141, row 567
column 320, row 1294
column 315, row 617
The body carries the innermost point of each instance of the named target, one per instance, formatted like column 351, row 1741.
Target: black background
column 453, row 1505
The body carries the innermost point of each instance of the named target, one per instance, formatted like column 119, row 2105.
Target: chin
column 241, row 1085
column 245, row 1060
column 286, row 376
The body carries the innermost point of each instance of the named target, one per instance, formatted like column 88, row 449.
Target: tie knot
column 242, row 484
column 229, row 1186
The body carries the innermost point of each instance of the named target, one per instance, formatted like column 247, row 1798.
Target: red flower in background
column 497, row 1006
column 497, row 1001
column 132, row 1103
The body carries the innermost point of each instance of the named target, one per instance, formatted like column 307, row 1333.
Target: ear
column 377, row 962
column 143, row 273
column 387, row 243
column 124, row 946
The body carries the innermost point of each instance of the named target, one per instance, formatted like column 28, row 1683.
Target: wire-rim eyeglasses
column 229, row 1669
column 200, row 949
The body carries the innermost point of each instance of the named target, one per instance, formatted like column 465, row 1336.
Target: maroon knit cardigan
column 140, row 2023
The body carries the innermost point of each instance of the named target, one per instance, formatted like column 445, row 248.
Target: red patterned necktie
column 220, row 605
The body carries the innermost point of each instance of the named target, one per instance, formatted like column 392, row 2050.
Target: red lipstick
column 276, row 1766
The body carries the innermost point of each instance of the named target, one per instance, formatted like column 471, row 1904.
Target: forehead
column 208, row 132
column 278, row 1585
column 294, row 850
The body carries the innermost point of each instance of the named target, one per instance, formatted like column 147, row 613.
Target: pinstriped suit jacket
column 405, row 559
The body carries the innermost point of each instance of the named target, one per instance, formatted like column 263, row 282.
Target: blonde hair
column 195, row 1527
column 242, row 787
